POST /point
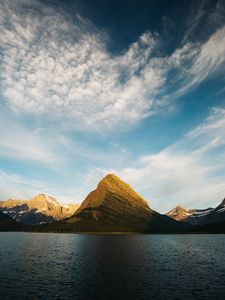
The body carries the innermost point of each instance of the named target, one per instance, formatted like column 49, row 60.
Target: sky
column 135, row 88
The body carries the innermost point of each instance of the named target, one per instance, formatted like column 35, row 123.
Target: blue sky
column 91, row 87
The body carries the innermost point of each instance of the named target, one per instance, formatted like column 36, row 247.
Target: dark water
column 67, row 266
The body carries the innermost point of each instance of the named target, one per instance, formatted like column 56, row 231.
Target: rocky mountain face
column 191, row 216
column 4, row 217
column 199, row 216
column 8, row 224
column 115, row 207
column 216, row 215
column 38, row 210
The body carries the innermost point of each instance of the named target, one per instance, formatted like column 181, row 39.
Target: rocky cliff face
column 40, row 209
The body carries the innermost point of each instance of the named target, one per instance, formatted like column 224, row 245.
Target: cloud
column 66, row 70
column 36, row 145
column 216, row 14
column 189, row 172
column 206, row 137
column 29, row 143
column 204, row 16
column 13, row 185
column 56, row 67
column 198, row 12
column 195, row 63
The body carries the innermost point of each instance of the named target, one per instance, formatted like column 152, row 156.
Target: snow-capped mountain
column 40, row 209
column 199, row 216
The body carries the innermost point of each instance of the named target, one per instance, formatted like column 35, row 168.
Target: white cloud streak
column 31, row 143
column 16, row 186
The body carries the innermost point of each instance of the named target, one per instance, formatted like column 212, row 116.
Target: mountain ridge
column 41, row 208
column 115, row 207
column 199, row 216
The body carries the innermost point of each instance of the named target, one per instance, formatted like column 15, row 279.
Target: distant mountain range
column 38, row 210
column 112, row 207
column 199, row 216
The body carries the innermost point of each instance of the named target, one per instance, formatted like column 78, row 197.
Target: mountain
column 40, row 209
column 216, row 215
column 218, row 227
column 199, row 216
column 8, row 224
column 191, row 216
column 4, row 217
column 115, row 207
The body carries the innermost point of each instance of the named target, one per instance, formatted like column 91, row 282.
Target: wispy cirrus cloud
column 195, row 63
column 57, row 67
column 198, row 11
column 16, row 186
column 30, row 143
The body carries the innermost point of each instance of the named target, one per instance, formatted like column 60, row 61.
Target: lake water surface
column 73, row 266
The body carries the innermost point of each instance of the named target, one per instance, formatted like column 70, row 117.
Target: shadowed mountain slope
column 8, row 224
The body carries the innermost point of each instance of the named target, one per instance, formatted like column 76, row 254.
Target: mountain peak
column 43, row 198
column 42, row 208
column 112, row 185
column 178, row 213
column 110, row 176
column 115, row 207
column 110, row 179
column 42, row 195
column 179, row 207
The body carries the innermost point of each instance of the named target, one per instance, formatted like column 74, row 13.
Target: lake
column 73, row 266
